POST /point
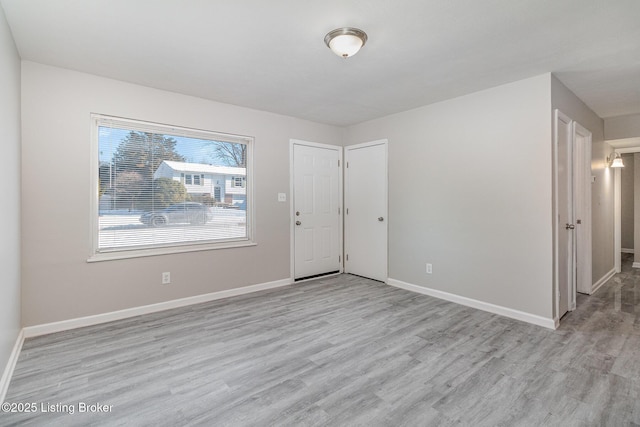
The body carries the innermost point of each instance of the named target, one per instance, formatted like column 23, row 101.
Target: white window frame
column 143, row 126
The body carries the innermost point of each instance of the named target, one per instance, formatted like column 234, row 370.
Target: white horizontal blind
column 164, row 186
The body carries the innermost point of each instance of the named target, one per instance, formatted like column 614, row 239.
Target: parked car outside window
column 187, row 212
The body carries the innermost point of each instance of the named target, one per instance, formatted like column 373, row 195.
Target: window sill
column 138, row 253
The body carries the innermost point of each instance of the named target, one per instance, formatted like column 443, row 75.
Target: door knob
column 380, row 219
column 297, row 213
column 298, row 223
column 570, row 226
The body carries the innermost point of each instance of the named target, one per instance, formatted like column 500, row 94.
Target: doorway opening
column 629, row 148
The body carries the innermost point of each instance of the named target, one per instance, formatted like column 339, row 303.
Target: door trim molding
column 382, row 141
column 292, row 216
column 617, row 202
column 617, row 220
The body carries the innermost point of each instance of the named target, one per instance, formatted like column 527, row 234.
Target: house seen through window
column 161, row 186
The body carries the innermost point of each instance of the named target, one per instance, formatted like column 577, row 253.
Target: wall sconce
column 615, row 161
column 345, row 42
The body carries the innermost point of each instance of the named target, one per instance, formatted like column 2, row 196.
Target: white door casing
column 317, row 214
column 630, row 145
column 366, row 210
column 617, row 221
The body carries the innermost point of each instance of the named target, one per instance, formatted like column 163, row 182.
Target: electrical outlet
column 166, row 278
column 429, row 268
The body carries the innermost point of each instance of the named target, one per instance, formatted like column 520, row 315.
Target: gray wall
column 10, row 190
column 602, row 189
column 470, row 192
column 627, row 202
column 622, row 127
column 469, row 187
column 58, row 283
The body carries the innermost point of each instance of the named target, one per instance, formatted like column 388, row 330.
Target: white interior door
column 565, row 215
column 316, row 205
column 366, row 210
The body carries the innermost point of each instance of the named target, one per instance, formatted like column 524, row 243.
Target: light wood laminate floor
column 342, row 351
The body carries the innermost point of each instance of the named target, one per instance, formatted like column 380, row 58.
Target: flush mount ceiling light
column 345, row 42
column 615, row 161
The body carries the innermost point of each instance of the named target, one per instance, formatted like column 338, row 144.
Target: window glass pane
column 159, row 189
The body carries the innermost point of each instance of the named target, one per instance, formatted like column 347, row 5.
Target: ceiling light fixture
column 345, row 42
column 615, row 161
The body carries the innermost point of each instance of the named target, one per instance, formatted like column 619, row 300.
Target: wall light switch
column 282, row 197
column 166, row 278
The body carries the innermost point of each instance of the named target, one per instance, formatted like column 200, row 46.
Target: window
column 146, row 202
column 237, row 182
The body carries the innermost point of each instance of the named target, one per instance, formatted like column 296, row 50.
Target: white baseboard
column 11, row 365
column 604, row 279
column 480, row 305
column 627, row 251
column 64, row 325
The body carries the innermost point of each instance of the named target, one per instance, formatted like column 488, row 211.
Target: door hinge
column 347, row 165
column 338, row 163
column 347, row 211
column 346, row 257
column 339, row 259
column 338, row 211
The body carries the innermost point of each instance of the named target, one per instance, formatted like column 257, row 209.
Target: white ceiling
column 270, row 55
